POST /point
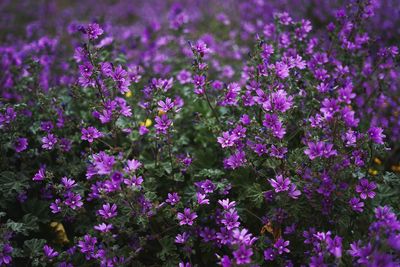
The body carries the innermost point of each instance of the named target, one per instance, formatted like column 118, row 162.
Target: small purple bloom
column 49, row 141
column 366, row 189
column 187, row 217
column 356, row 204
column 281, row 246
column 173, row 198
column 90, row 133
column 93, row 31
column 280, row 183
column 243, row 255
column 21, row 144
column 108, row 211
column 49, row 252
column 376, row 135
column 103, row 227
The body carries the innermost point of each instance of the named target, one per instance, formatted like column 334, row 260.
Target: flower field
column 200, row 133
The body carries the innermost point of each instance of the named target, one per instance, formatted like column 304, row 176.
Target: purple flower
column 73, row 200
column 335, row 246
column 376, row 135
column 166, row 105
column 5, row 254
column 281, row 246
column 187, row 217
column 320, row 149
column 103, row 227
column 202, row 199
column 182, row 238
column 86, row 69
column 46, row 126
column 243, row 255
column 68, row 183
column 162, row 124
column 49, row 141
column 132, row 165
column 356, row 204
column 294, row 192
column 280, row 183
column 55, row 206
column 184, row 77
column 230, row 219
column 236, row 160
column 8, row 116
column 40, row 175
column 269, row 254
column 226, row 204
column 281, row 70
column 366, row 189
column 90, row 134
column 93, row 31
column 108, row 211
column 173, row 198
column 21, row 144
column 49, row 252
column 103, row 163
column 87, row 246
column 226, row 140
column 135, row 181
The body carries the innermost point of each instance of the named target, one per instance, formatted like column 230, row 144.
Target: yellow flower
column 396, row 168
column 373, row 172
column 128, row 94
column 146, row 123
column 377, row 161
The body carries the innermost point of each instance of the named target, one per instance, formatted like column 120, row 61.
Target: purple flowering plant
column 175, row 134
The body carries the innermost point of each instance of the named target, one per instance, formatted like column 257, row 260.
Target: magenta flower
column 162, row 124
column 376, row 135
column 90, row 133
column 93, row 31
column 243, row 255
column 108, row 211
column 173, row 198
column 40, row 175
column 5, row 254
column 366, row 189
column 87, row 246
column 73, row 200
column 187, row 217
column 166, row 105
column 230, row 219
column 281, row 246
column 182, row 238
column 226, row 140
column 103, row 227
column 202, row 199
column 226, row 204
column 55, row 206
column 356, row 204
column 280, row 183
column 320, row 149
column 184, row 77
column 49, row 141
column 21, row 144
column 68, row 183
column 49, row 252
column 269, row 254
column 46, row 126
column 132, row 165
